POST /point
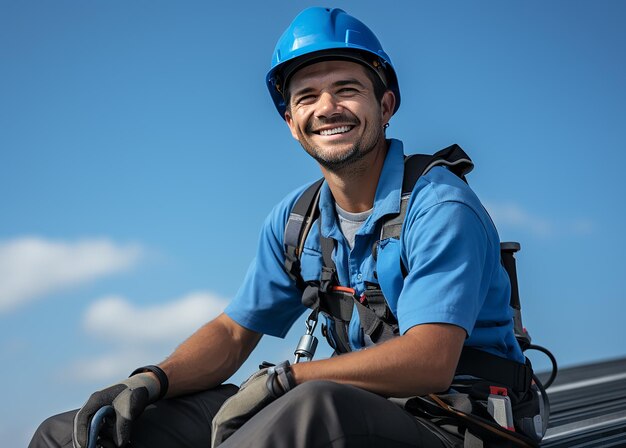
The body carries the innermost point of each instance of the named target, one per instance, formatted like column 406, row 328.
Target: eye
column 347, row 91
column 305, row 99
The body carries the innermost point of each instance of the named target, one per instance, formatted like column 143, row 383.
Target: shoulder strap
column 302, row 215
column 417, row 165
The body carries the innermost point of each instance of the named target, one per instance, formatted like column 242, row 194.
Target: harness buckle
column 499, row 407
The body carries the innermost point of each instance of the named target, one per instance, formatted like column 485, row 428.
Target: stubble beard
column 346, row 161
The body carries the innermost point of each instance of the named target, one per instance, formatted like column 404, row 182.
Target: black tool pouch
column 464, row 414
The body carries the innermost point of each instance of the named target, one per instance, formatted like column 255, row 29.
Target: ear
column 387, row 105
column 291, row 124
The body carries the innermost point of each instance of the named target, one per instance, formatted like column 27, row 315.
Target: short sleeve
column 268, row 300
column 446, row 254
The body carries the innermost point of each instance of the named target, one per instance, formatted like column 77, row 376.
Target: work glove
column 129, row 398
column 255, row 393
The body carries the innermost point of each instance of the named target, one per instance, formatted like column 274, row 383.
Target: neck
column 354, row 186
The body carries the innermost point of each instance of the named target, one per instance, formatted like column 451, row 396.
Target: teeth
column 339, row 130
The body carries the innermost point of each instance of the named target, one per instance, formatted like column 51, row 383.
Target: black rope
column 546, row 403
column 552, row 359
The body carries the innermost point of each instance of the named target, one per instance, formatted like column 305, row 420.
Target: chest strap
column 338, row 303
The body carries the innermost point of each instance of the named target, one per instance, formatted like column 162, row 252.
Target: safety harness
column 485, row 380
column 338, row 302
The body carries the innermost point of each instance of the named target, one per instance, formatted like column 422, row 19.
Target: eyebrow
column 340, row 83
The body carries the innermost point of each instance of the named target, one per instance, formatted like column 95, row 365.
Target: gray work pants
column 315, row 414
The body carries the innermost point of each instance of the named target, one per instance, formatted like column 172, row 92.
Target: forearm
column 420, row 362
column 209, row 357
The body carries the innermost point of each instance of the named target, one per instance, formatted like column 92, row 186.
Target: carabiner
column 308, row 343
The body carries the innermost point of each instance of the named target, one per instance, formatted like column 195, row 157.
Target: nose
column 327, row 105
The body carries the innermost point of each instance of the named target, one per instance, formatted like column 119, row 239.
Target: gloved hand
column 255, row 393
column 129, row 398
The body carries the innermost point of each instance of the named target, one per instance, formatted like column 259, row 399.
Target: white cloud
column 139, row 335
column 114, row 317
column 110, row 367
column 513, row 215
column 32, row 267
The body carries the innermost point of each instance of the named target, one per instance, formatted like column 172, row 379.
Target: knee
column 322, row 411
column 320, row 388
column 323, row 395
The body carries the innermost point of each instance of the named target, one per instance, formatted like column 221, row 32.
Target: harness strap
column 376, row 319
column 375, row 301
column 336, row 306
column 329, row 269
column 301, row 218
column 375, row 328
column 340, row 305
column 393, row 227
column 417, row 165
column 494, row 368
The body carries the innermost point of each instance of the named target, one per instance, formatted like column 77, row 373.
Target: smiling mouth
column 337, row 130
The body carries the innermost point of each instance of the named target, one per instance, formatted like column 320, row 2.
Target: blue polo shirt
column 448, row 244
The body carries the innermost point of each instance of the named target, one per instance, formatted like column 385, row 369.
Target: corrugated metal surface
column 588, row 406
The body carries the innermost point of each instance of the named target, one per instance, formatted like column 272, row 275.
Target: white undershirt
column 350, row 223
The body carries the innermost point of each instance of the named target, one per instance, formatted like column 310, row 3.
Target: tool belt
column 466, row 413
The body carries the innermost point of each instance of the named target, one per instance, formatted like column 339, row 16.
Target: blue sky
column 140, row 152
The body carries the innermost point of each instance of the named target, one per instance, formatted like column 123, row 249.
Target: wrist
column 157, row 377
column 281, row 379
column 296, row 373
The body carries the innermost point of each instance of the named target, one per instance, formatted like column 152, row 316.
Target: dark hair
column 377, row 83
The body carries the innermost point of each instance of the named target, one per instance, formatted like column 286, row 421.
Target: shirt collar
column 386, row 200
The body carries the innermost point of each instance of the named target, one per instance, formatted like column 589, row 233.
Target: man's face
column 334, row 114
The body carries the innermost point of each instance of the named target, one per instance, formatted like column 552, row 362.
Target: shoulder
column 443, row 204
column 440, row 186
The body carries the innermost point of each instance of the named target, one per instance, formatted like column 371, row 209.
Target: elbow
column 427, row 379
column 431, row 383
column 438, row 347
column 442, row 372
column 442, row 379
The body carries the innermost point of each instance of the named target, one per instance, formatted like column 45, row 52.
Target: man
column 336, row 89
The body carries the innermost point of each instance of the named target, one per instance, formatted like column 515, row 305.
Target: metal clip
column 308, row 343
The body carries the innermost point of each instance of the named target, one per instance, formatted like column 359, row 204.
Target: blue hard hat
column 322, row 34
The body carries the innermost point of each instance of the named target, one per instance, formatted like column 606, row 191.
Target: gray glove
column 255, row 393
column 129, row 398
